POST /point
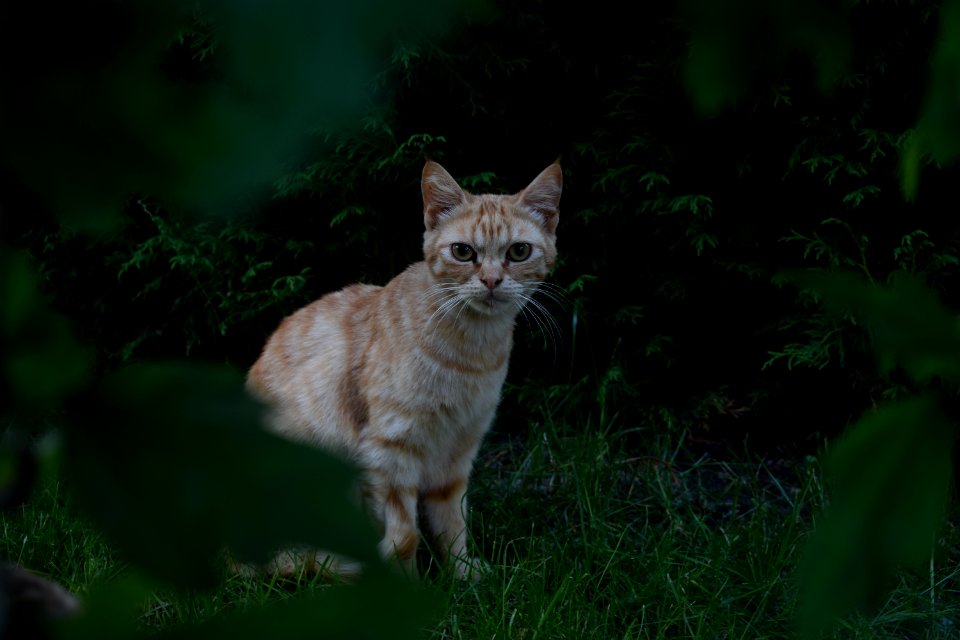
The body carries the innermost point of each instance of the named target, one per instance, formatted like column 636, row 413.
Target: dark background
column 681, row 202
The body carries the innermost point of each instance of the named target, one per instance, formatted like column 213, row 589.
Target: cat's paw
column 244, row 570
column 234, row 567
column 337, row 567
column 471, row 568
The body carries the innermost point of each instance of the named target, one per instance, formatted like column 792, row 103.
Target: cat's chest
column 439, row 385
column 440, row 393
column 455, row 422
column 455, row 395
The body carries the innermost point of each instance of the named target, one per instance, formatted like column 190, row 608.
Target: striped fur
column 405, row 378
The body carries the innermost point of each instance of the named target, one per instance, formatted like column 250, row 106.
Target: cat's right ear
column 543, row 196
column 441, row 194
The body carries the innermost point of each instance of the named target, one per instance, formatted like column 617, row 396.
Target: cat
column 405, row 379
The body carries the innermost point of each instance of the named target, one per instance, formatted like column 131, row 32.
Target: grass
column 591, row 533
column 609, row 544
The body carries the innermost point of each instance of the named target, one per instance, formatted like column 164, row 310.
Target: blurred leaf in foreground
column 171, row 462
column 41, row 361
column 381, row 607
column 195, row 102
column 733, row 41
column 909, row 326
column 401, row 610
column 110, row 611
column 938, row 130
column 889, row 477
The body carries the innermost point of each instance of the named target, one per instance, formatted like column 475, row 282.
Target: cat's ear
column 542, row 196
column 441, row 194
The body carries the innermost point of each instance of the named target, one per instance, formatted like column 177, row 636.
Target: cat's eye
column 462, row 252
column 519, row 252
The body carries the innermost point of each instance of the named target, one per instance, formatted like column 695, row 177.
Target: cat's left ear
column 543, row 196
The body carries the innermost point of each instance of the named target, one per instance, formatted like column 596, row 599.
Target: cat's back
column 312, row 348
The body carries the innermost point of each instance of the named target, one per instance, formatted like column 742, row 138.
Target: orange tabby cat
column 405, row 378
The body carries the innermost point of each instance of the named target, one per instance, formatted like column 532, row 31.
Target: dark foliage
column 674, row 223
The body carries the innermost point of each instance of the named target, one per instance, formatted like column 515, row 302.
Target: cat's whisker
column 549, row 300
column 544, row 318
column 439, row 310
column 531, row 316
column 462, row 307
column 555, row 293
column 547, row 327
column 549, row 316
column 437, row 291
column 443, row 286
column 448, row 308
column 560, row 293
column 444, row 309
column 552, row 285
column 437, row 302
column 521, row 309
column 441, row 298
column 550, row 335
column 458, row 302
column 439, row 294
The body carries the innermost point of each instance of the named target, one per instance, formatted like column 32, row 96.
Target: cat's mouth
column 491, row 300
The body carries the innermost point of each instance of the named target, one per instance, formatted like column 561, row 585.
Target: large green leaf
column 383, row 606
column 41, row 360
column 938, row 130
column 171, row 462
column 111, row 105
column 889, row 477
column 19, row 298
column 109, row 611
column 734, row 41
column 909, row 326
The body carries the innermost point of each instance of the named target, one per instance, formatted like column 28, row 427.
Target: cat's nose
column 491, row 282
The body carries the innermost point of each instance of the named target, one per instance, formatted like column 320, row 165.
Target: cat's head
column 490, row 252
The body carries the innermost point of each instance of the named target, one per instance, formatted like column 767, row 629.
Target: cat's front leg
column 392, row 469
column 398, row 504
column 444, row 507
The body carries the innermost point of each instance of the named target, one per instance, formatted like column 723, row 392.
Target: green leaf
column 909, row 326
column 18, row 293
column 889, row 477
column 43, row 362
column 910, row 168
column 171, row 462
column 282, row 67
column 109, row 611
column 377, row 607
column 45, row 368
column 938, row 130
column 734, row 41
